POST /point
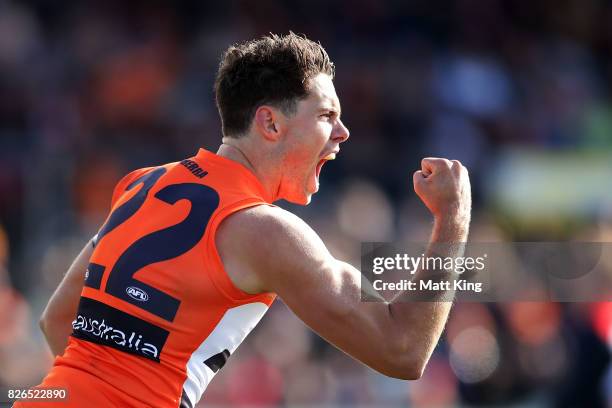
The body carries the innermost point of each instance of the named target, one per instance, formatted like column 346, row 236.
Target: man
column 193, row 253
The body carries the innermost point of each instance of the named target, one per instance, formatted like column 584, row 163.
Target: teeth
column 330, row 156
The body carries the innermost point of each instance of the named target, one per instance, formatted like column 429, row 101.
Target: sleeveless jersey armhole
column 221, row 280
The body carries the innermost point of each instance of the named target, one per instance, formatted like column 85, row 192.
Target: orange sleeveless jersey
column 158, row 316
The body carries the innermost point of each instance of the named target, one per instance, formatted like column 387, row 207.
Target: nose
column 341, row 133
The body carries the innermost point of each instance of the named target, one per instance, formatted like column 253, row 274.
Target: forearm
column 418, row 318
column 56, row 321
column 56, row 333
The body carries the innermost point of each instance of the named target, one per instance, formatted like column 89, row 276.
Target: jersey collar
column 205, row 155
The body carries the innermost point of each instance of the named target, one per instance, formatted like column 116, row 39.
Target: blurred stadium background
column 519, row 91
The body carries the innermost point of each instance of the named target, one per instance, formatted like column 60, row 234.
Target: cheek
column 298, row 159
column 319, row 137
column 307, row 151
column 307, row 146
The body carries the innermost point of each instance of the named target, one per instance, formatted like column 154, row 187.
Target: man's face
column 314, row 135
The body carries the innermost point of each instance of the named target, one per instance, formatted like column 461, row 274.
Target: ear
column 269, row 122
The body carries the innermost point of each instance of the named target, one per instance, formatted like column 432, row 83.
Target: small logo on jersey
column 137, row 294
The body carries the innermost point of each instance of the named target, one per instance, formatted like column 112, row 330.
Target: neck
column 264, row 170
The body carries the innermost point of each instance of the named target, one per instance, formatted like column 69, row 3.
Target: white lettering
column 378, row 269
column 118, row 335
column 148, row 348
column 109, row 333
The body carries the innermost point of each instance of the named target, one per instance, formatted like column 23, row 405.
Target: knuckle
column 458, row 168
column 436, row 162
column 445, row 166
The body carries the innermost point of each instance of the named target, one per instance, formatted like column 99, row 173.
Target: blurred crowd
column 520, row 92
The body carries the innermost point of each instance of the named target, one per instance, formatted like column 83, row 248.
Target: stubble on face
column 308, row 136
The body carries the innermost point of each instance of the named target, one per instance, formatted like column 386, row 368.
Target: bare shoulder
column 263, row 218
column 266, row 228
column 259, row 243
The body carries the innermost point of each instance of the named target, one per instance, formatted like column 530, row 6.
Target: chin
column 299, row 197
column 300, row 200
column 301, row 193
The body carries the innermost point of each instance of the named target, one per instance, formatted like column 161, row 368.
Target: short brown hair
column 275, row 70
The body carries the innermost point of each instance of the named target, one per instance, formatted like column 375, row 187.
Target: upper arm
column 287, row 257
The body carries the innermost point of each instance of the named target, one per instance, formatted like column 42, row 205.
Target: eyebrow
column 332, row 109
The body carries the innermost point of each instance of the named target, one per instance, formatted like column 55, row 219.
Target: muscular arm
column 56, row 320
column 287, row 257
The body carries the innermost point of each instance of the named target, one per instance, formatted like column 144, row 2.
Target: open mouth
column 330, row 156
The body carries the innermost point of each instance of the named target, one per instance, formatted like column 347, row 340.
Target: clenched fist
column 444, row 187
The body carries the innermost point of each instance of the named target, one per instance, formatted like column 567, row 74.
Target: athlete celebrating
column 193, row 253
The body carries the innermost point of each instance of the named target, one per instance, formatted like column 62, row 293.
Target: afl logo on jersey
column 137, row 294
